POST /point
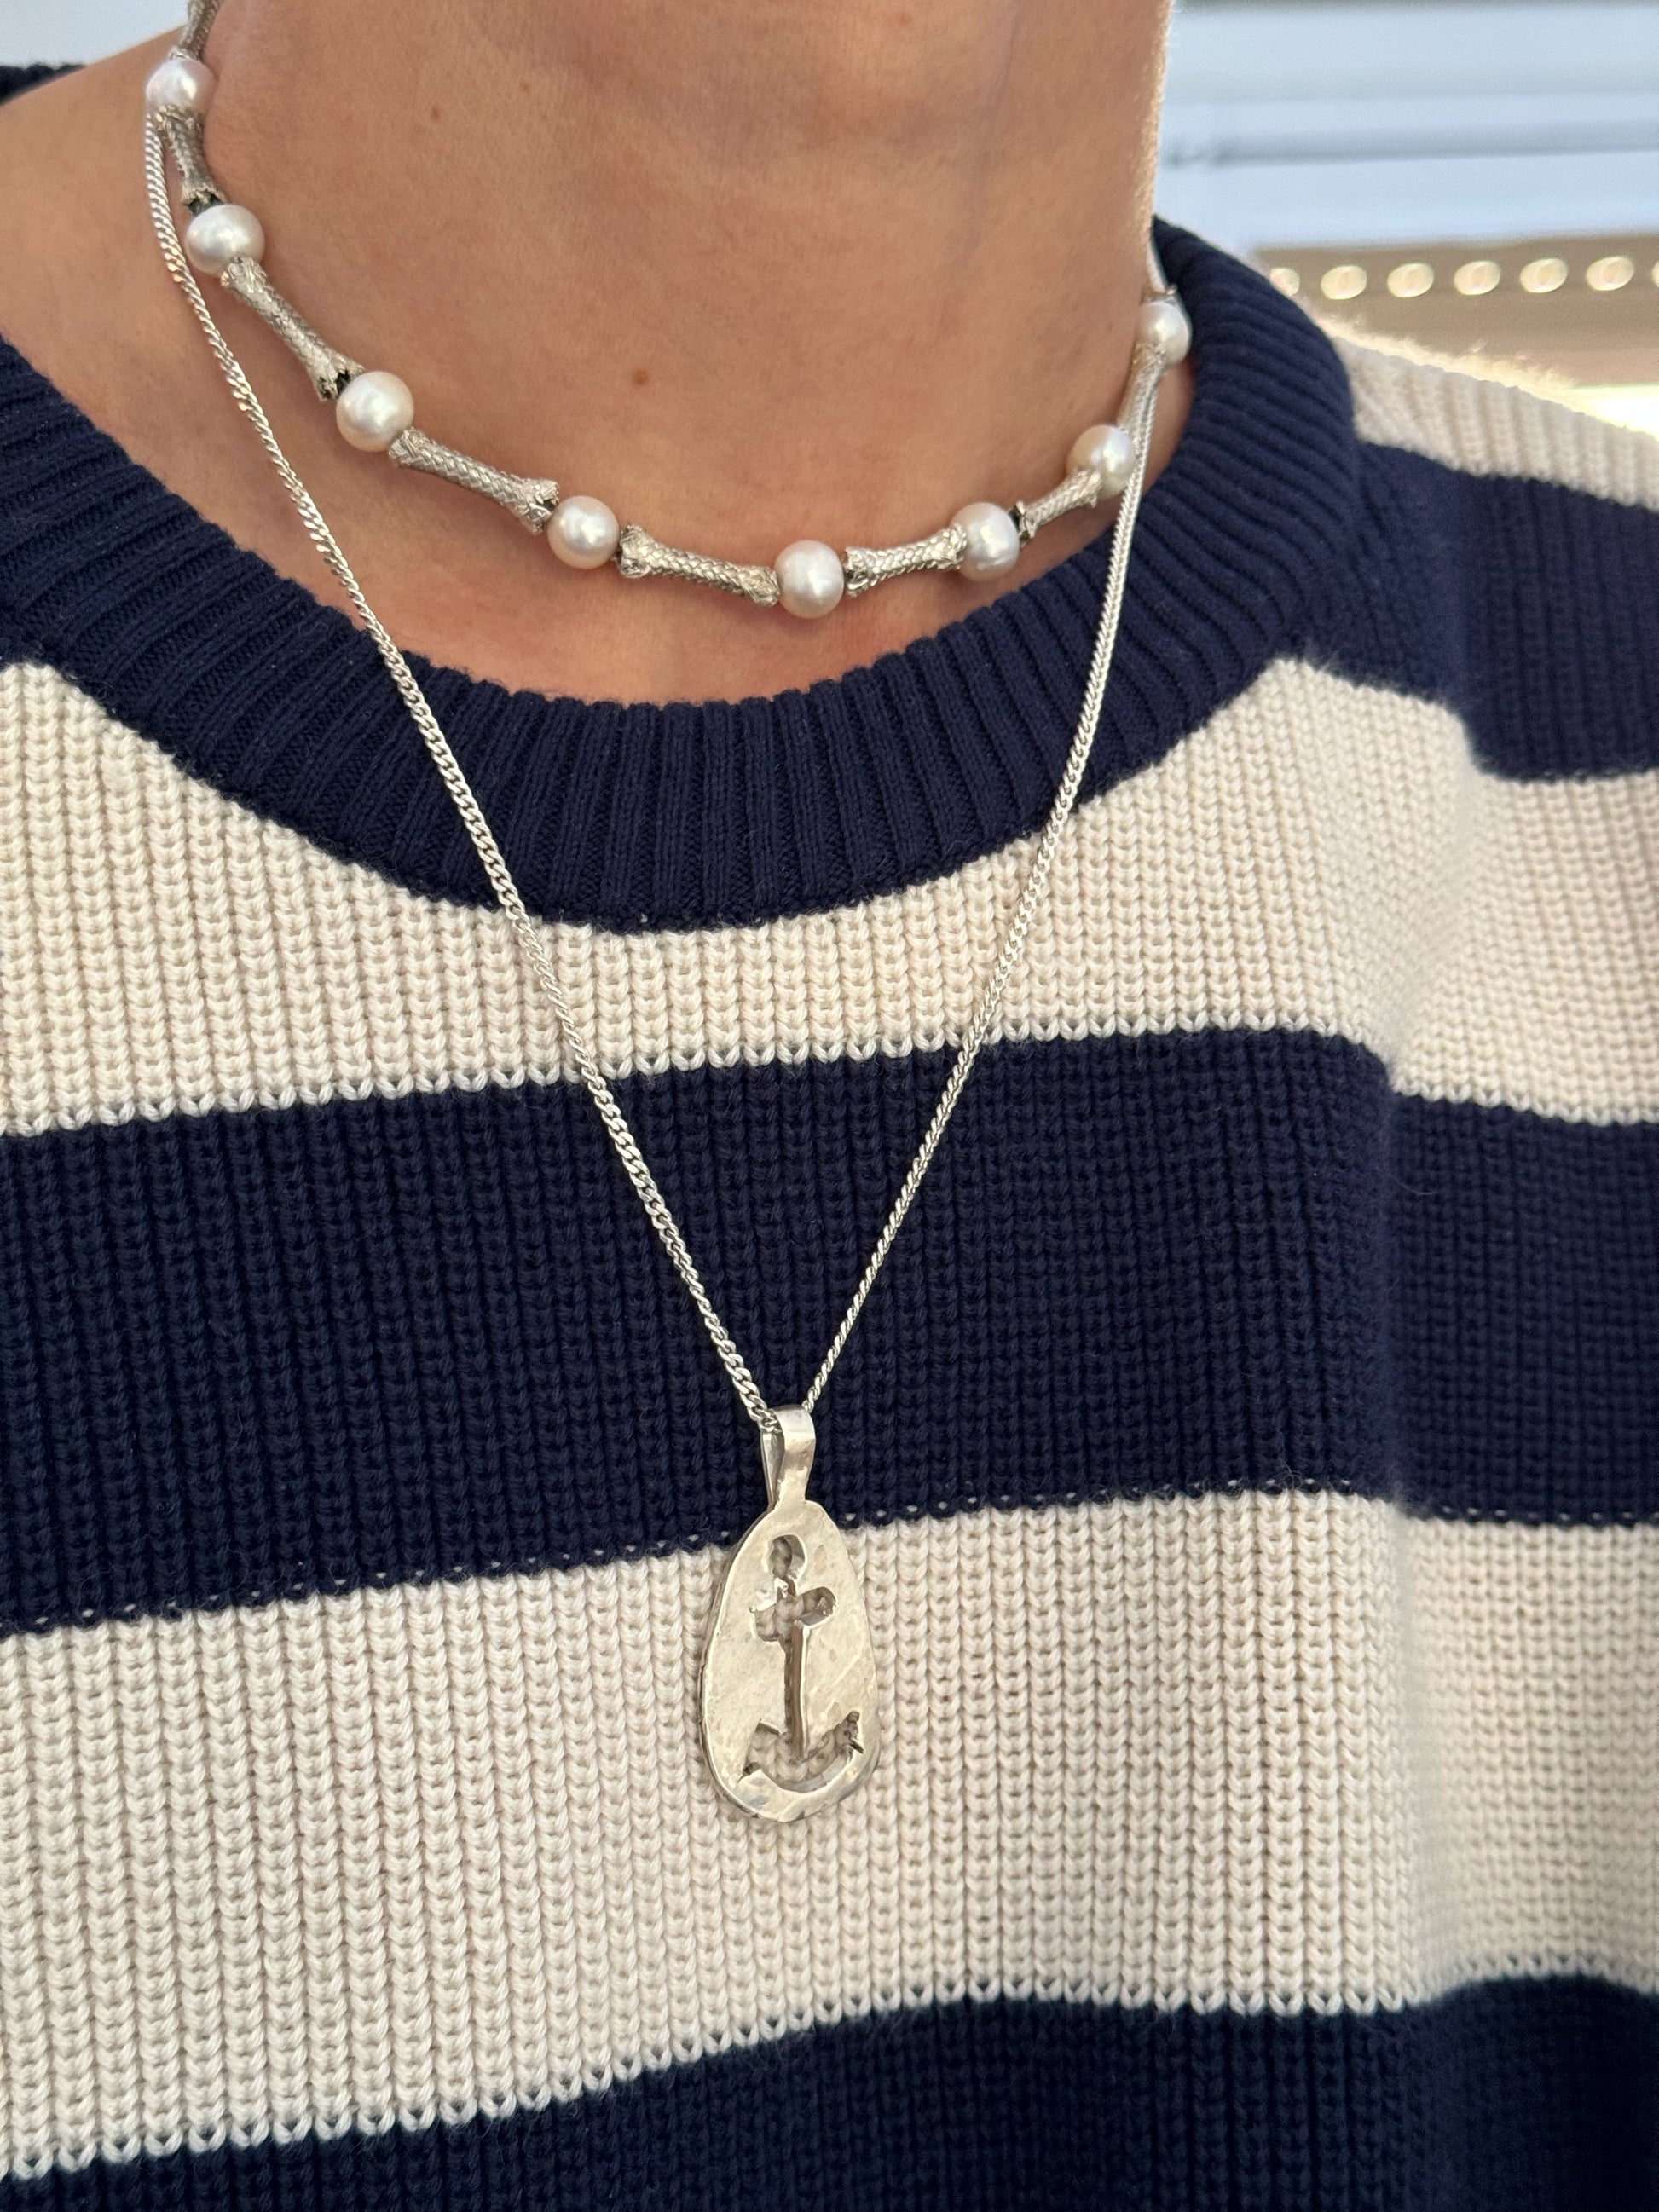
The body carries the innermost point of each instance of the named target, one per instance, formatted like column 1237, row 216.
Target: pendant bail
column 787, row 1452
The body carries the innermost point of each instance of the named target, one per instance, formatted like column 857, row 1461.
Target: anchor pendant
column 787, row 1695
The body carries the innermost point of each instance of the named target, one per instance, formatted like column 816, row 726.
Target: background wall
column 74, row 30
column 1373, row 152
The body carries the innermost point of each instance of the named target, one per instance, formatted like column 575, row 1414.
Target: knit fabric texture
column 1250, row 1454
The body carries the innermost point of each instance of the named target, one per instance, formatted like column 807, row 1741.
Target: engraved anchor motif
column 788, row 1687
column 789, row 1754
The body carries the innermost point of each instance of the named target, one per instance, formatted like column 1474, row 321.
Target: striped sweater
column 1251, row 1454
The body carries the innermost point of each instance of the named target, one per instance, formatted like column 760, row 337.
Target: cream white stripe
column 1321, row 856
column 1490, row 422
column 410, row 1854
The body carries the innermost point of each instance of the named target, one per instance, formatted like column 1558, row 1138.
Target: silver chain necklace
column 788, row 1693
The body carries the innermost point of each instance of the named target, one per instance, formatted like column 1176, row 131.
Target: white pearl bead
column 583, row 532
column 374, row 408
column 181, row 85
column 1164, row 324
column 811, row 578
column 1109, row 452
column 993, row 538
column 221, row 234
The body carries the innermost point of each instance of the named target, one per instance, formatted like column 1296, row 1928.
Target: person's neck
column 749, row 272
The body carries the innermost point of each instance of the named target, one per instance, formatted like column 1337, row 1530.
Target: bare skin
column 749, row 272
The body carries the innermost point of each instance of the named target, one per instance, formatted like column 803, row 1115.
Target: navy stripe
column 1520, row 2096
column 13, row 81
column 264, row 1353
column 1525, row 1260
column 1524, row 607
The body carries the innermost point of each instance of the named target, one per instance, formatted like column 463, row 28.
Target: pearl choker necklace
column 375, row 412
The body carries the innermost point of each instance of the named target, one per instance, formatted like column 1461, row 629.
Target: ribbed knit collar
column 672, row 815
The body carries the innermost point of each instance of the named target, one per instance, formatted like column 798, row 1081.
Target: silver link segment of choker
column 639, row 553
column 184, row 135
column 375, row 412
column 531, row 499
column 866, row 567
column 198, row 23
column 330, row 371
column 1083, row 488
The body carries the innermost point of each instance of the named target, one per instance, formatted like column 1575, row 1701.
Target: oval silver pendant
column 787, row 1695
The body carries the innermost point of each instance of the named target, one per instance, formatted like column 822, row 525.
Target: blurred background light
column 1481, row 177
